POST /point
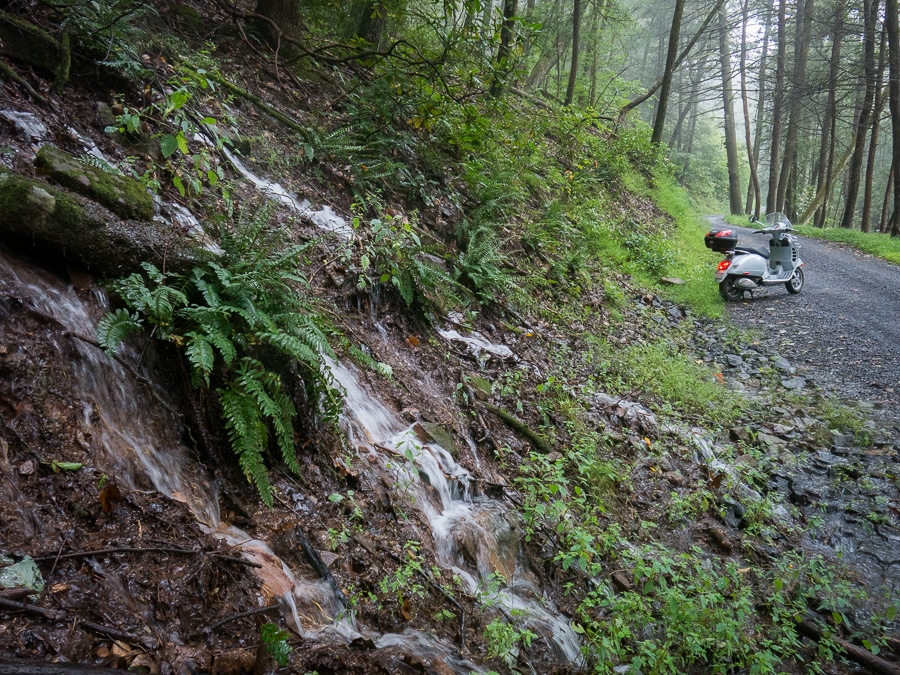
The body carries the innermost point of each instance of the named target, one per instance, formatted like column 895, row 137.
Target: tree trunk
column 284, row 14
column 798, row 77
column 576, row 46
column 822, row 194
column 754, row 177
column 634, row 103
column 760, row 111
column 865, row 224
column 671, row 54
column 731, row 149
column 777, row 110
column 829, row 127
column 886, row 203
column 870, row 11
column 893, row 30
column 504, row 51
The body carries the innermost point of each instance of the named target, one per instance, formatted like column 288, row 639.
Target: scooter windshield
column 778, row 220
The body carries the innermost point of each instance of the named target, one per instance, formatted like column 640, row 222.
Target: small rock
column 741, row 434
column 783, row 364
column 770, row 441
column 720, row 539
column 672, row 281
column 674, row 478
column 793, row 383
column 621, row 582
column 782, row 430
column 734, row 361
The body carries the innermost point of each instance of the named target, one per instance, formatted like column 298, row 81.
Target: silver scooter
column 747, row 269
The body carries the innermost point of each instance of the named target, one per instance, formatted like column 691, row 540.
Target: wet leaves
column 109, row 496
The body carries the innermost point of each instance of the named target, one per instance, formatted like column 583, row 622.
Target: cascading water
column 474, row 536
column 134, row 436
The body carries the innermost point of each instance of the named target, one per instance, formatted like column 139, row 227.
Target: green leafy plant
column 480, row 265
column 504, row 639
column 390, row 254
column 226, row 317
column 405, row 582
column 276, row 641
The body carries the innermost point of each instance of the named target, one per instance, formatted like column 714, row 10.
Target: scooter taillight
column 724, row 265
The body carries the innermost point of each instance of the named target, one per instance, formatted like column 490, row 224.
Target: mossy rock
column 441, row 436
column 122, row 195
column 23, row 41
column 52, row 223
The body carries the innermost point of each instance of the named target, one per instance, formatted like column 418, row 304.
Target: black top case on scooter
column 720, row 241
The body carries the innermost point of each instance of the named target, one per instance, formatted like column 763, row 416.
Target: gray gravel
column 843, row 330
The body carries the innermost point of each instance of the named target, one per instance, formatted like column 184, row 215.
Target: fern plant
column 480, row 265
column 223, row 316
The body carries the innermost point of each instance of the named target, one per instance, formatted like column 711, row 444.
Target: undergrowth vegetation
column 236, row 319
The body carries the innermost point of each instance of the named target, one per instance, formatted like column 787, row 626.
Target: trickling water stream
column 134, row 436
column 475, row 536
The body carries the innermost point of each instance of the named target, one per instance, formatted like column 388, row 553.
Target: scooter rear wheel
column 795, row 285
column 729, row 291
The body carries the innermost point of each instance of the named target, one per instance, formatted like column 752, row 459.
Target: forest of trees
column 802, row 94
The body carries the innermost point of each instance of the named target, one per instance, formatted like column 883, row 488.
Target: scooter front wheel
column 795, row 285
column 729, row 291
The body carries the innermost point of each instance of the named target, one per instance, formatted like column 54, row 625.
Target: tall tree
column 893, row 31
column 731, row 151
column 762, row 83
column 826, row 173
column 671, row 56
column 870, row 11
column 504, row 51
column 576, row 46
column 865, row 219
column 754, row 177
column 795, row 111
column 777, row 108
column 634, row 103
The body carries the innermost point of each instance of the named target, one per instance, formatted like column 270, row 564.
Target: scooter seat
column 756, row 251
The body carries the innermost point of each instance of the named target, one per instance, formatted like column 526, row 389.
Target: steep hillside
column 326, row 359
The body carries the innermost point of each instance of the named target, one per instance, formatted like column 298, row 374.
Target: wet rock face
column 122, row 195
column 40, row 219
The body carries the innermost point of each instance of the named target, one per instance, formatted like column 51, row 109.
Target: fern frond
column 113, row 328
column 102, row 164
column 292, row 346
column 207, row 290
column 200, row 354
column 247, row 434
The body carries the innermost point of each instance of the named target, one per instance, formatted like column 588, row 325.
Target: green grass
column 880, row 245
column 692, row 262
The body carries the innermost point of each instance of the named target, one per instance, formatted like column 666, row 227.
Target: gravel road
column 843, row 330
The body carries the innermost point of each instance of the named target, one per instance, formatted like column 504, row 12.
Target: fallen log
column 862, row 656
column 540, row 443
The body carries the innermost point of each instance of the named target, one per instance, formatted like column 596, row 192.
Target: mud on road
column 842, row 330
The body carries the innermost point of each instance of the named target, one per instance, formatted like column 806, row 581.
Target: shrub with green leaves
column 225, row 317
column 389, row 254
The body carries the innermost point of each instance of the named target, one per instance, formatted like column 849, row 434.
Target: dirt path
column 843, row 329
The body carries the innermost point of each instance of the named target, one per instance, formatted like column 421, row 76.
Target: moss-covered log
column 122, row 195
column 23, row 41
column 49, row 222
column 540, row 443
